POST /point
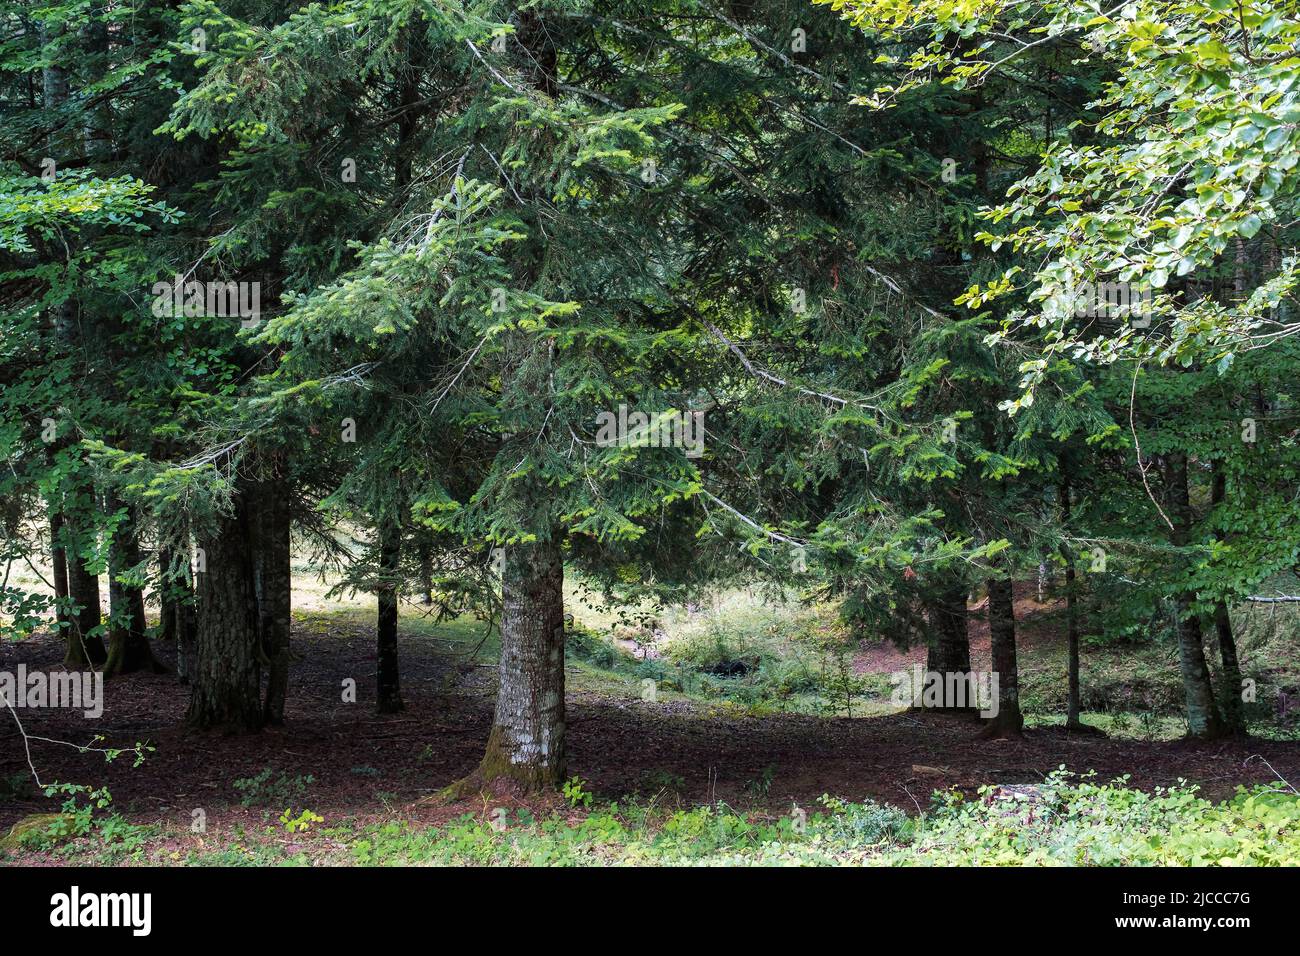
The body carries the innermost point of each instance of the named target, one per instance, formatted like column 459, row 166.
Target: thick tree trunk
column 225, row 676
column 128, row 644
column 1007, row 722
column 389, row 690
column 274, row 592
column 1202, row 715
column 949, row 652
column 1234, row 716
column 527, row 739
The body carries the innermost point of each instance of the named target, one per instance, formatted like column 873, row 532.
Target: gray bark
column 527, row 739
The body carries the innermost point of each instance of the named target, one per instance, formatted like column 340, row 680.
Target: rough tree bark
column 1002, row 637
column 389, row 689
column 527, row 739
column 225, row 676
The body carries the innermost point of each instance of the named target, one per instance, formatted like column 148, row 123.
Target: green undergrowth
column 1067, row 820
column 1063, row 822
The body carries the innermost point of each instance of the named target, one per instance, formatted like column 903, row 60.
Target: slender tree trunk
column 1234, row 716
column 1072, row 719
column 225, row 676
column 128, row 644
column 527, row 739
column 85, row 649
column 176, row 599
column 1008, row 721
column 275, row 592
column 949, row 650
column 389, row 690
column 1202, row 715
column 59, row 562
column 168, row 611
column 426, row 573
column 187, row 629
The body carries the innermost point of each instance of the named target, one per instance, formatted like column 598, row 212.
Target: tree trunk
column 389, row 689
column 176, row 600
column 128, row 644
column 275, row 592
column 949, row 651
column 225, row 676
column 1234, row 716
column 168, row 609
column 85, row 649
column 1007, row 722
column 187, row 629
column 1072, row 719
column 59, row 562
column 1202, row 715
column 527, row 739
column 426, row 573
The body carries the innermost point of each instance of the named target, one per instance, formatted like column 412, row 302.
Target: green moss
column 39, row 828
column 496, row 765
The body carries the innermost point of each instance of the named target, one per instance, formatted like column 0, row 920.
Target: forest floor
column 343, row 762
